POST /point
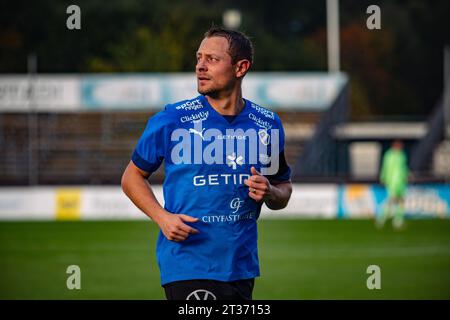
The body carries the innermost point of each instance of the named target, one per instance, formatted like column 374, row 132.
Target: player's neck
column 227, row 104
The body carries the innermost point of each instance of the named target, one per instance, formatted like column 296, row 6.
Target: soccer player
column 224, row 158
column 394, row 176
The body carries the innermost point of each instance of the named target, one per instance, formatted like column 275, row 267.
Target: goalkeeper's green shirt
column 394, row 172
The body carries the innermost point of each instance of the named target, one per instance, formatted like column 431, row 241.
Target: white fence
column 307, row 201
column 277, row 90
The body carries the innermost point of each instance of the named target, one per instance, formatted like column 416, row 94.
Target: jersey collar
column 214, row 112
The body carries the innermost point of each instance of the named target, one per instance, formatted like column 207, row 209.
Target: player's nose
column 201, row 66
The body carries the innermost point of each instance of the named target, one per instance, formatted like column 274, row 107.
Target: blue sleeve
column 152, row 145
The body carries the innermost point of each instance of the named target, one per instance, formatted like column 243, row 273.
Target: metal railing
column 321, row 156
column 422, row 153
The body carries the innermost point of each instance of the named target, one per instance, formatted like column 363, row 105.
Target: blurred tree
column 395, row 70
column 142, row 51
column 167, row 46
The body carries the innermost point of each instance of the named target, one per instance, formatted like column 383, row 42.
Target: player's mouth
column 202, row 79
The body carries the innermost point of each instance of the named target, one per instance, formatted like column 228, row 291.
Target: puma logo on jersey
column 197, row 132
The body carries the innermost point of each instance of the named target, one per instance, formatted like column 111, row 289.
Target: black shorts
column 209, row 290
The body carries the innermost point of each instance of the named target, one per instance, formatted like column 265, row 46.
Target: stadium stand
column 94, row 147
column 64, row 146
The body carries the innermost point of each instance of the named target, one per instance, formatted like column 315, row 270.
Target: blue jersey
column 207, row 158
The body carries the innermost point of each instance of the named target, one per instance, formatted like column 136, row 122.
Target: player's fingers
column 259, row 179
column 255, row 196
column 258, row 193
column 251, row 183
column 180, row 238
column 180, row 232
column 257, row 186
column 175, row 237
column 252, row 195
column 187, row 218
column 185, row 227
column 193, row 230
column 254, row 171
column 262, row 187
column 188, row 229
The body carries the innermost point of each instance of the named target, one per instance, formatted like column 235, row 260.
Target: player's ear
column 242, row 67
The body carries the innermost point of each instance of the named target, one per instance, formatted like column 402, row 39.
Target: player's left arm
column 276, row 196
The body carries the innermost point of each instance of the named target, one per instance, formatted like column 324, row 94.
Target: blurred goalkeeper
column 394, row 176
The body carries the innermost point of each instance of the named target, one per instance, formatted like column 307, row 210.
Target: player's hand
column 260, row 188
column 174, row 228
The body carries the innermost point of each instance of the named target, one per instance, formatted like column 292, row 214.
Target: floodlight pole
column 333, row 35
column 447, row 92
column 32, row 121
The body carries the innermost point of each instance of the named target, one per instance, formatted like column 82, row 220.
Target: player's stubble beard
column 216, row 92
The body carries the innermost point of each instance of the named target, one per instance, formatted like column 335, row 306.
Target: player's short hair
column 240, row 46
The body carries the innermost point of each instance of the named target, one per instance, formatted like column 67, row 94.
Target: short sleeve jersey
column 206, row 160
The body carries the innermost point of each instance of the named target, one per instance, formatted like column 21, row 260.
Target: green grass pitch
column 300, row 259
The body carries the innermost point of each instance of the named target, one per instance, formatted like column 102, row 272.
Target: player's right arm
column 136, row 186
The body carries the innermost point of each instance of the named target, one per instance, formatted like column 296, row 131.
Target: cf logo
column 235, row 204
column 201, row 294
